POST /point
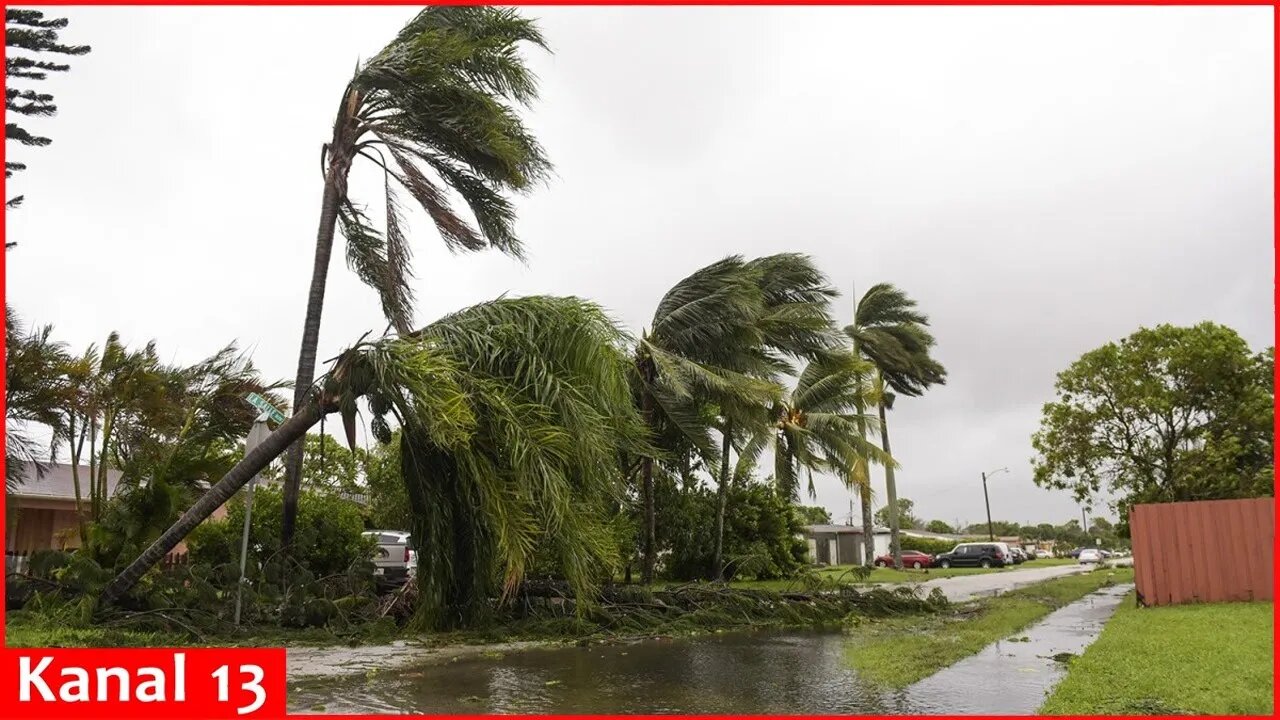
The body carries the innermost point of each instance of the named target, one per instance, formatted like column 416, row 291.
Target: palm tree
column 889, row 331
column 819, row 427
column 435, row 111
column 794, row 321
column 510, row 416
column 36, row 390
column 703, row 324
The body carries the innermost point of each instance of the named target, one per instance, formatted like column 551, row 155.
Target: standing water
column 748, row 673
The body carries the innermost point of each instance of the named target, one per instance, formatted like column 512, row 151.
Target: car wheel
column 944, row 564
column 986, row 563
column 881, row 563
column 917, row 565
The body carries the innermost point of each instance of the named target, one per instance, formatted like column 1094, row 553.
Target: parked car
column 1043, row 554
column 974, row 555
column 910, row 558
column 1074, row 553
column 1090, row 555
column 395, row 558
column 1019, row 555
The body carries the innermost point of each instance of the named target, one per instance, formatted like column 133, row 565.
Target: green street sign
column 262, row 404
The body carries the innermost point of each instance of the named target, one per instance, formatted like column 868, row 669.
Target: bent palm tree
column 720, row 338
column 701, row 325
column 434, row 110
column 511, row 413
column 889, row 331
column 36, row 390
column 820, row 427
column 793, row 322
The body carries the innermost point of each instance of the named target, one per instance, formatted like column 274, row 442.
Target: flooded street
column 769, row 673
column 792, row 672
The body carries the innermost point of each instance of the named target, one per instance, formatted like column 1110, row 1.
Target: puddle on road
column 749, row 673
column 1012, row 676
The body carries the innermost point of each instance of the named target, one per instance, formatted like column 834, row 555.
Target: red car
column 910, row 558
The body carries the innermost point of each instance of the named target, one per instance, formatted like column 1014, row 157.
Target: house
column 842, row 544
column 42, row 510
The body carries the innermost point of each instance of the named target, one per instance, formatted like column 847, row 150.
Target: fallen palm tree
column 511, row 414
column 549, row 607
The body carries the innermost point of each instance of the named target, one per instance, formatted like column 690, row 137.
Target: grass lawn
column 1212, row 659
column 900, row 651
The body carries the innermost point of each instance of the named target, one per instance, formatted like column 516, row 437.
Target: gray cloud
column 1043, row 180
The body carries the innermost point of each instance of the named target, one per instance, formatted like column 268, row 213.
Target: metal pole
column 257, row 434
column 991, row 535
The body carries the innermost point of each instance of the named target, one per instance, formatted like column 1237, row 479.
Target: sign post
column 257, row 434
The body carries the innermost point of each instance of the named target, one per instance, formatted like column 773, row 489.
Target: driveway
column 960, row 588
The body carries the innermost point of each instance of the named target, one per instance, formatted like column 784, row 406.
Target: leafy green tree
column 761, row 535
column 388, row 498
column 938, row 526
column 29, row 37
column 435, row 110
column 329, row 464
column 905, row 517
column 813, row 515
column 1167, row 414
column 511, row 414
column 889, row 331
column 329, row 533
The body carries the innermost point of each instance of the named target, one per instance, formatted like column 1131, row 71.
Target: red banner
column 214, row 683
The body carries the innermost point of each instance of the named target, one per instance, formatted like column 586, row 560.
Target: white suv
column 395, row 558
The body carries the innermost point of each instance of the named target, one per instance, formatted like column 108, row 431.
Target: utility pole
column 991, row 535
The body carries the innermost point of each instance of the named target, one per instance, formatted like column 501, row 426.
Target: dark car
column 984, row 555
column 1075, row 553
column 910, row 558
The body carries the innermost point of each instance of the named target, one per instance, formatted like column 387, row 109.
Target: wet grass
column 900, row 651
column 33, row 629
column 1212, row 659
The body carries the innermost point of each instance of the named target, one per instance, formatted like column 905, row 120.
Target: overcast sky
column 1042, row 180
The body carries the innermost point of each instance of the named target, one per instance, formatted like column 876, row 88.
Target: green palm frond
column 890, row 332
column 512, row 414
column 436, row 110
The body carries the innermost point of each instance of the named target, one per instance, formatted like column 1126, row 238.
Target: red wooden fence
column 1206, row 551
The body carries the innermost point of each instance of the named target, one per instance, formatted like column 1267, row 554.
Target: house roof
column 55, row 482
column 841, row 529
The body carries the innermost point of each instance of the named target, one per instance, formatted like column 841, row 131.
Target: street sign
column 265, row 406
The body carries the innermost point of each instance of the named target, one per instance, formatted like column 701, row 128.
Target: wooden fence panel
column 1206, row 551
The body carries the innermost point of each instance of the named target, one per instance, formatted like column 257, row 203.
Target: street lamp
column 990, row 533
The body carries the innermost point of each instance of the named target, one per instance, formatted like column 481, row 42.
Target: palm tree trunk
column 252, row 464
column 93, row 466
column 868, row 526
column 77, row 449
column 891, row 488
column 650, row 511
column 334, row 190
column 722, row 500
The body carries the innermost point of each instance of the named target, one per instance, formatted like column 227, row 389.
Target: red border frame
column 652, row 3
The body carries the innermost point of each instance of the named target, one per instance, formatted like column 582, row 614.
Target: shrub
column 761, row 533
column 326, row 542
column 927, row 545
